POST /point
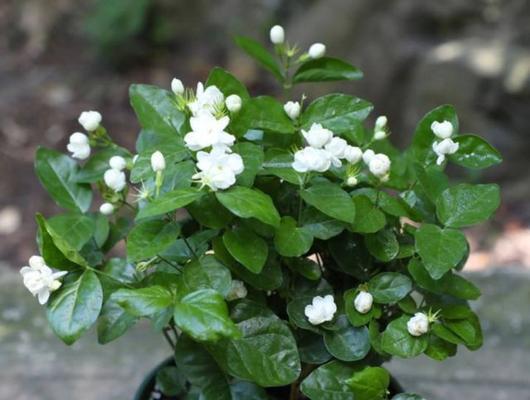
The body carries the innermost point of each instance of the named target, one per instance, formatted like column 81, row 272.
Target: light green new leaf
column 370, row 383
column 396, row 339
column 143, row 302
column 466, row 204
column 75, row 307
column 290, row 240
column 247, row 248
column 331, row 200
column 169, row 202
column 326, row 69
column 151, row 238
column 57, row 173
column 474, row 152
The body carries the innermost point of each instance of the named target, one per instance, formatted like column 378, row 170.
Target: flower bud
column 352, row 181
column 90, row 120
column 443, row 148
column 115, row 179
column 363, row 302
column 237, row 291
column 379, row 135
column 443, row 130
column 353, row 154
column 233, row 103
column 380, row 122
column 158, row 162
column 368, row 155
column 277, row 34
column 317, row 50
column 379, row 165
column 418, row 325
column 118, row 162
column 79, row 146
column 177, row 87
column 292, row 109
column 321, row 309
column 106, row 209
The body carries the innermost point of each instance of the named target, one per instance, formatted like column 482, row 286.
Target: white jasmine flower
column 277, row 34
column 352, row 181
column 206, row 100
column 311, row 159
column 317, row 50
column 218, row 169
column 418, row 324
column 322, row 309
column 177, row 87
column 208, row 131
column 380, row 122
column 40, row 279
column 443, row 130
column 90, row 120
column 158, row 162
column 292, row 109
column 237, row 291
column 106, row 209
column 363, row 302
column 317, row 136
column 79, row 146
column 368, row 155
column 233, row 103
column 115, row 179
column 117, row 162
column 443, row 148
column 336, row 148
column 379, row 135
column 379, row 165
column 353, row 154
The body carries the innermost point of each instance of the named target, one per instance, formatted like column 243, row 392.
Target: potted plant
column 284, row 250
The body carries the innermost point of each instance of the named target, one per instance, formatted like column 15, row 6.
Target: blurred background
column 60, row 57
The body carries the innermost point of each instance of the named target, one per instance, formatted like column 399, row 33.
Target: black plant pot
column 148, row 386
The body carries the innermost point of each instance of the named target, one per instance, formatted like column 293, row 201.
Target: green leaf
column 291, row 241
column 465, row 204
column 305, row 267
column 174, row 152
column 76, row 230
column 311, row 348
column 347, row 343
column 329, row 381
column 469, row 330
column 260, row 54
column 383, row 245
column 320, row 225
column 440, row 249
column 170, row 381
column 266, row 354
column 326, row 69
column 432, row 180
column 250, row 203
column 156, row 110
column 368, row 218
column 396, row 339
column 47, row 248
column 389, row 287
column 169, row 202
column 143, row 302
column 75, row 307
column 206, row 273
column 474, row 152
column 439, row 349
column 340, row 113
column 242, row 390
column 204, row 316
column 113, row 322
column 262, row 113
column 247, row 248
column 227, row 83
column 370, row 383
column 97, row 164
column 350, row 255
column 331, row 200
column 279, row 162
column 201, row 370
column 57, row 173
column 150, row 238
column 252, row 155
column 209, row 212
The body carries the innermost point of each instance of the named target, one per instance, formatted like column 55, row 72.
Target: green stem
column 190, row 248
column 168, row 338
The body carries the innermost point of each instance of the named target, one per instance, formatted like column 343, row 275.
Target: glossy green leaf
column 346, row 342
column 320, row 225
column 439, row 349
column 247, row 248
column 396, row 339
column 253, row 157
column 150, row 238
column 311, row 348
column 74, row 229
column 368, row 218
column 206, row 273
column 383, row 245
column 209, row 212
column 290, row 240
column 465, row 204
column 47, row 248
column 113, row 322
column 326, row 69
column 170, row 381
column 227, row 83
column 432, row 180
column 389, row 287
column 262, row 113
column 330, row 199
column 255, row 50
column 57, row 173
column 370, row 383
column 329, row 381
column 169, row 202
column 143, row 302
column 304, row 266
column 474, row 152
column 75, row 307
column 279, row 162
column 242, row 390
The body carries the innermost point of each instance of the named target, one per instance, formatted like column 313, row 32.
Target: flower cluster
column 444, row 131
column 115, row 177
column 79, row 143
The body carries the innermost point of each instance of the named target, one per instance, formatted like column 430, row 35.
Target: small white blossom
column 336, row 148
column 322, row 309
column 238, row 290
column 317, row 136
column 177, row 87
column 380, row 122
column 292, row 109
column 443, row 148
column 317, row 50
column 418, row 324
column 363, row 302
column 368, row 155
column 158, row 162
column 353, row 154
column 233, row 103
column 218, row 169
column 117, row 162
column 311, row 159
column 40, row 279
column 277, row 34
column 115, row 179
column 208, row 131
column 90, row 120
column 106, row 209
column 79, row 146
column 352, row 181
column 379, row 135
column 206, row 100
column 443, row 130
column 379, row 165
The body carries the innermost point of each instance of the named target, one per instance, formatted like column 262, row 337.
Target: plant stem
column 170, row 263
column 168, row 338
column 190, row 248
column 293, row 395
